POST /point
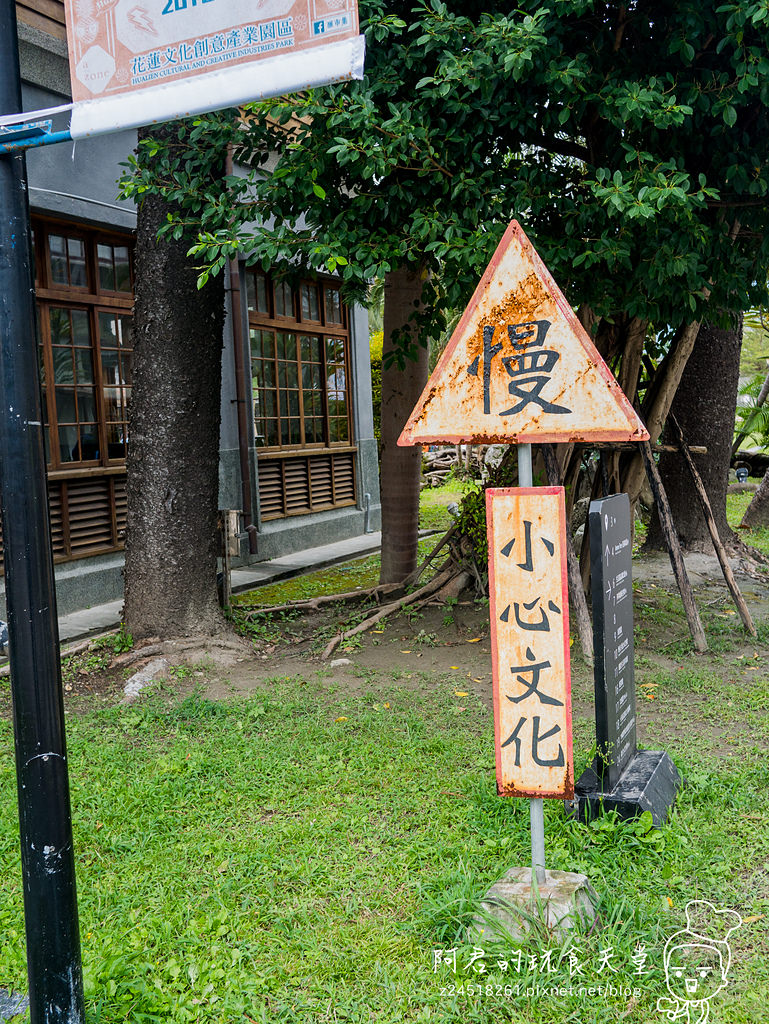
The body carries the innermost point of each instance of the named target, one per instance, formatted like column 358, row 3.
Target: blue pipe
column 39, row 140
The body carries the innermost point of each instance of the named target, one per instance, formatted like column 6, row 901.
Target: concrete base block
column 650, row 782
column 512, row 907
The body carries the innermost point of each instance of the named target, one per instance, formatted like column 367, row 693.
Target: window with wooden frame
column 84, row 288
column 85, row 296
column 301, row 389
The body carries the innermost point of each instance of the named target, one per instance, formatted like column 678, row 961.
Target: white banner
column 137, row 62
column 218, row 89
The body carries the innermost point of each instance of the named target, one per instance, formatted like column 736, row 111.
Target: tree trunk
column 757, row 512
column 704, row 406
column 173, row 455
column 401, row 468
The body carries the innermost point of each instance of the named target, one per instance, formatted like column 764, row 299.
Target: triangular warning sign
column 520, row 368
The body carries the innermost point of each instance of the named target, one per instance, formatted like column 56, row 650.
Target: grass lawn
column 303, row 853
column 299, row 855
column 736, row 504
column 363, row 572
column 434, row 502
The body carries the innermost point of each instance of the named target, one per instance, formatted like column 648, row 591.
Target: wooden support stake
column 576, row 590
column 596, row 491
column 225, row 536
column 707, row 511
column 674, row 548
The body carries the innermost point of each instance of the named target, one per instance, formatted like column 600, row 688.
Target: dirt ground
column 449, row 647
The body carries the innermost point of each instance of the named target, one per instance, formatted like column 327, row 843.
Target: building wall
column 278, row 536
column 77, row 182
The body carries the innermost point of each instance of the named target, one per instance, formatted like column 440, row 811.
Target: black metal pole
column 47, row 853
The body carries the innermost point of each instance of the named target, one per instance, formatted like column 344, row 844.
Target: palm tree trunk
column 757, row 512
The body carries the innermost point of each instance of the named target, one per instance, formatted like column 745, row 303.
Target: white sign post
column 518, row 369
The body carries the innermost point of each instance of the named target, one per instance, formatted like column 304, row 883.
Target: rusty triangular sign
column 520, row 367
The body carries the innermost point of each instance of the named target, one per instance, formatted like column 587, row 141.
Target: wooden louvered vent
column 296, row 486
column 344, row 480
column 87, row 516
column 57, row 520
column 90, row 514
column 307, row 483
column 119, row 490
column 271, row 488
column 46, row 15
column 322, row 480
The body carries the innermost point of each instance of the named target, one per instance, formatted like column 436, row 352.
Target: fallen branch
column 438, row 547
column 450, row 591
column 314, row 603
column 426, row 591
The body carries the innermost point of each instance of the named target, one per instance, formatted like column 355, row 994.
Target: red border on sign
column 504, row 492
column 514, row 229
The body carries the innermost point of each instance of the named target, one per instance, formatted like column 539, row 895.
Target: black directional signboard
column 621, row 778
column 611, row 568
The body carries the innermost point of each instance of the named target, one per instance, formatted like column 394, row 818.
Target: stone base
column 512, row 907
column 12, row 1006
column 649, row 783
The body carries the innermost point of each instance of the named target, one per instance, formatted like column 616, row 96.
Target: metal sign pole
column 47, row 855
column 536, row 806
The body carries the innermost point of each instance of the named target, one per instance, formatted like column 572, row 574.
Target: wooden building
column 307, row 438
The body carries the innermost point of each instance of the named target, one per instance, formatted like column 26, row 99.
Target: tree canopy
column 630, row 140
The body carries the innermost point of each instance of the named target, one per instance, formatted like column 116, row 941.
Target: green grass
column 298, row 856
column 434, row 502
column 360, row 573
column 754, row 353
column 363, row 572
column 736, row 504
column 355, row 575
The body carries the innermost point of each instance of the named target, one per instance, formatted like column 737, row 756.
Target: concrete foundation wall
column 281, row 536
column 84, row 583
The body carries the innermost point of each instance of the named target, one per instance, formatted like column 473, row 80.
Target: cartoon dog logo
column 697, row 959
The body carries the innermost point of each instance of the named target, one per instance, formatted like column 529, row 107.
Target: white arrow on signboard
column 520, row 368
